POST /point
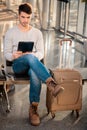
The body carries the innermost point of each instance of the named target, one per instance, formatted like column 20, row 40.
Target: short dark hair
column 25, row 7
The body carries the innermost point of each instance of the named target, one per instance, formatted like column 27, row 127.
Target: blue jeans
column 37, row 73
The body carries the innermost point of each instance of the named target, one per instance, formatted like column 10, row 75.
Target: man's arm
column 39, row 47
column 8, row 46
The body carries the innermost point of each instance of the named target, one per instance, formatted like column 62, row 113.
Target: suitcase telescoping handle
column 61, row 42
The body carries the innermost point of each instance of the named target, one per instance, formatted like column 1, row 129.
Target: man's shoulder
column 36, row 30
column 10, row 30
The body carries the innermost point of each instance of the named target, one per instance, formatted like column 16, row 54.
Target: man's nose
column 26, row 19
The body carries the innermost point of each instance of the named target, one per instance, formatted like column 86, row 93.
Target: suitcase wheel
column 8, row 110
column 48, row 111
column 77, row 113
column 72, row 112
column 53, row 114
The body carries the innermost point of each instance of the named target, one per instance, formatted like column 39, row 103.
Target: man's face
column 24, row 19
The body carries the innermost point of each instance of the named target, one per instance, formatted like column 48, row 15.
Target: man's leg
column 34, row 97
column 35, row 87
column 40, row 72
column 30, row 61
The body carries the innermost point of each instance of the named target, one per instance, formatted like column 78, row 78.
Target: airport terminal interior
column 57, row 20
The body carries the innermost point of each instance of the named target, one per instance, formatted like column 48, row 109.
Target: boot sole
column 35, row 124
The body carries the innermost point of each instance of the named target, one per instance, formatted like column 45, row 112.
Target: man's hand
column 17, row 54
column 20, row 53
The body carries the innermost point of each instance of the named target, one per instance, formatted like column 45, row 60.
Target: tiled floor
column 18, row 117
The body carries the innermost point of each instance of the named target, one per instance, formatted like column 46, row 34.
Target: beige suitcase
column 71, row 97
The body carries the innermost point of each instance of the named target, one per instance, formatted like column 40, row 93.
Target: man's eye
column 28, row 17
column 22, row 16
column 25, row 17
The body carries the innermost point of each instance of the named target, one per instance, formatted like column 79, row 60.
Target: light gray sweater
column 14, row 35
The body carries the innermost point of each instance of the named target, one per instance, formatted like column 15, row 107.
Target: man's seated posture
column 29, row 61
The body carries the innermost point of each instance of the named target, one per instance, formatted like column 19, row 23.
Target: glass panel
column 72, row 15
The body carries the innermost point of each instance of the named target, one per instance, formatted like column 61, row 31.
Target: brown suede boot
column 33, row 115
column 54, row 87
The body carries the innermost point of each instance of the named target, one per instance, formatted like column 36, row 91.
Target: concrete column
column 32, row 2
column 85, row 21
column 85, row 31
column 46, row 14
column 39, row 4
column 8, row 4
column 81, row 17
column 53, row 9
column 58, row 14
column 82, row 23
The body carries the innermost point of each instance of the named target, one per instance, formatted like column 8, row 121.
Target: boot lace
column 52, row 83
column 34, row 110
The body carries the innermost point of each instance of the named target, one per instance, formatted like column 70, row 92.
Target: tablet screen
column 25, row 46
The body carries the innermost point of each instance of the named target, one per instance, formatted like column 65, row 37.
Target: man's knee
column 30, row 58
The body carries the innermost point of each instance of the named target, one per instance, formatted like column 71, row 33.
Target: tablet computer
column 25, row 46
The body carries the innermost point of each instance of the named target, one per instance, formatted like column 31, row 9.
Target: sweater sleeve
column 39, row 47
column 8, row 46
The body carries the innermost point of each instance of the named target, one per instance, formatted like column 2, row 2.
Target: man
column 29, row 61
